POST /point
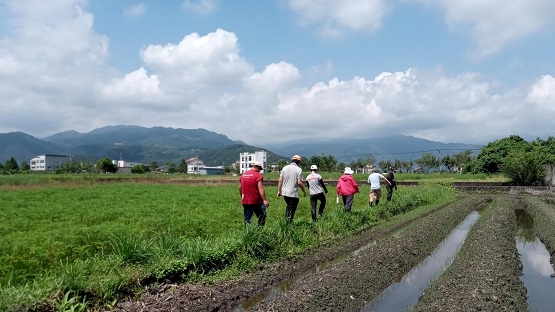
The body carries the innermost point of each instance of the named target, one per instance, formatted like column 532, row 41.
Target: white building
column 194, row 165
column 47, row 162
column 124, row 166
column 246, row 160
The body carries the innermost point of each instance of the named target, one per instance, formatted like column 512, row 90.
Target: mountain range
column 169, row 145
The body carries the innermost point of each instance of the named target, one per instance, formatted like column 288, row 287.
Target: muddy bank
column 486, row 273
column 543, row 212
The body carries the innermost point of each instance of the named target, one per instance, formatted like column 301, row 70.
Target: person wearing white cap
column 253, row 196
column 347, row 187
column 317, row 189
column 290, row 180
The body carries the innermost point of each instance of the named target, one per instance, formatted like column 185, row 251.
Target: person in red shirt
column 253, row 197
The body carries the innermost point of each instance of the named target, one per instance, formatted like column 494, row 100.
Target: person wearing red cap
column 253, row 196
column 290, row 179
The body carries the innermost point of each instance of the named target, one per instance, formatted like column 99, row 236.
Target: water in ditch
column 536, row 266
column 287, row 284
column 403, row 295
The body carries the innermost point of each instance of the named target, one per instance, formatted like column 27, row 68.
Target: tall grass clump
column 132, row 249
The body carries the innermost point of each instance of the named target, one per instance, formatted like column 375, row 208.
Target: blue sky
column 467, row 71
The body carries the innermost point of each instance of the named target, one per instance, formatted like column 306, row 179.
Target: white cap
column 257, row 163
column 313, row 167
column 348, row 170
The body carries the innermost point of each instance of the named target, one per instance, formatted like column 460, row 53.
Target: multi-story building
column 194, row 165
column 47, row 162
column 246, row 160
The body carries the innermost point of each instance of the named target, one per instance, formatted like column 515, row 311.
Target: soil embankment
column 543, row 211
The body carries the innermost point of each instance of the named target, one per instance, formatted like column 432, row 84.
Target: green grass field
column 98, row 239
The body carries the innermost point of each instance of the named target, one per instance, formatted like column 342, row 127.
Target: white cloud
column 333, row 18
column 495, row 24
column 275, row 76
column 202, row 7
column 542, row 93
column 137, row 86
column 52, row 61
column 212, row 60
column 135, row 10
column 54, row 77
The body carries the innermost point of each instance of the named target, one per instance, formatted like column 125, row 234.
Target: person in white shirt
column 290, row 180
column 375, row 188
column 317, row 189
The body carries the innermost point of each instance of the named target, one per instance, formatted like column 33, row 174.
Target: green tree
column 182, row 167
column 462, row 158
column 524, row 168
column 359, row 164
column 87, row 167
column 407, row 165
column 139, row 169
column 546, row 149
column 25, row 166
column 397, row 164
column 172, row 168
column 71, row 166
column 106, row 165
column 448, row 162
column 427, row 161
column 11, row 166
column 492, row 156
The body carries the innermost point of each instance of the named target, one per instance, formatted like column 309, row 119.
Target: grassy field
column 97, row 237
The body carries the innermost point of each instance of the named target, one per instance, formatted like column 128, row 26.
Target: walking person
column 317, row 189
column 375, row 188
column 391, row 177
column 347, row 187
column 253, row 196
column 290, row 180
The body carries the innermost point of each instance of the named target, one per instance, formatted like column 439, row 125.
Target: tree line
column 523, row 162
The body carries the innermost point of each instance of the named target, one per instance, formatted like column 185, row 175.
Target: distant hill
column 402, row 147
column 130, row 143
column 22, row 147
column 169, row 145
column 140, row 144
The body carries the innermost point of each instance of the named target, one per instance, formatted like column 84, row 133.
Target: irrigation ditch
column 490, row 250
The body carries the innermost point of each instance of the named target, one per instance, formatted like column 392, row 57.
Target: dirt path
column 346, row 286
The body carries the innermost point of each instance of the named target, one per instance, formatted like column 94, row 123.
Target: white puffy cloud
column 542, row 93
column 212, row 60
column 495, row 24
column 274, row 77
column 136, row 86
column 463, row 108
column 51, row 59
column 334, row 18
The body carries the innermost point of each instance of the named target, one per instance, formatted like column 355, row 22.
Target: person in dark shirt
column 391, row 177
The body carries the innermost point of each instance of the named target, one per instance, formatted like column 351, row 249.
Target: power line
column 414, row 152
